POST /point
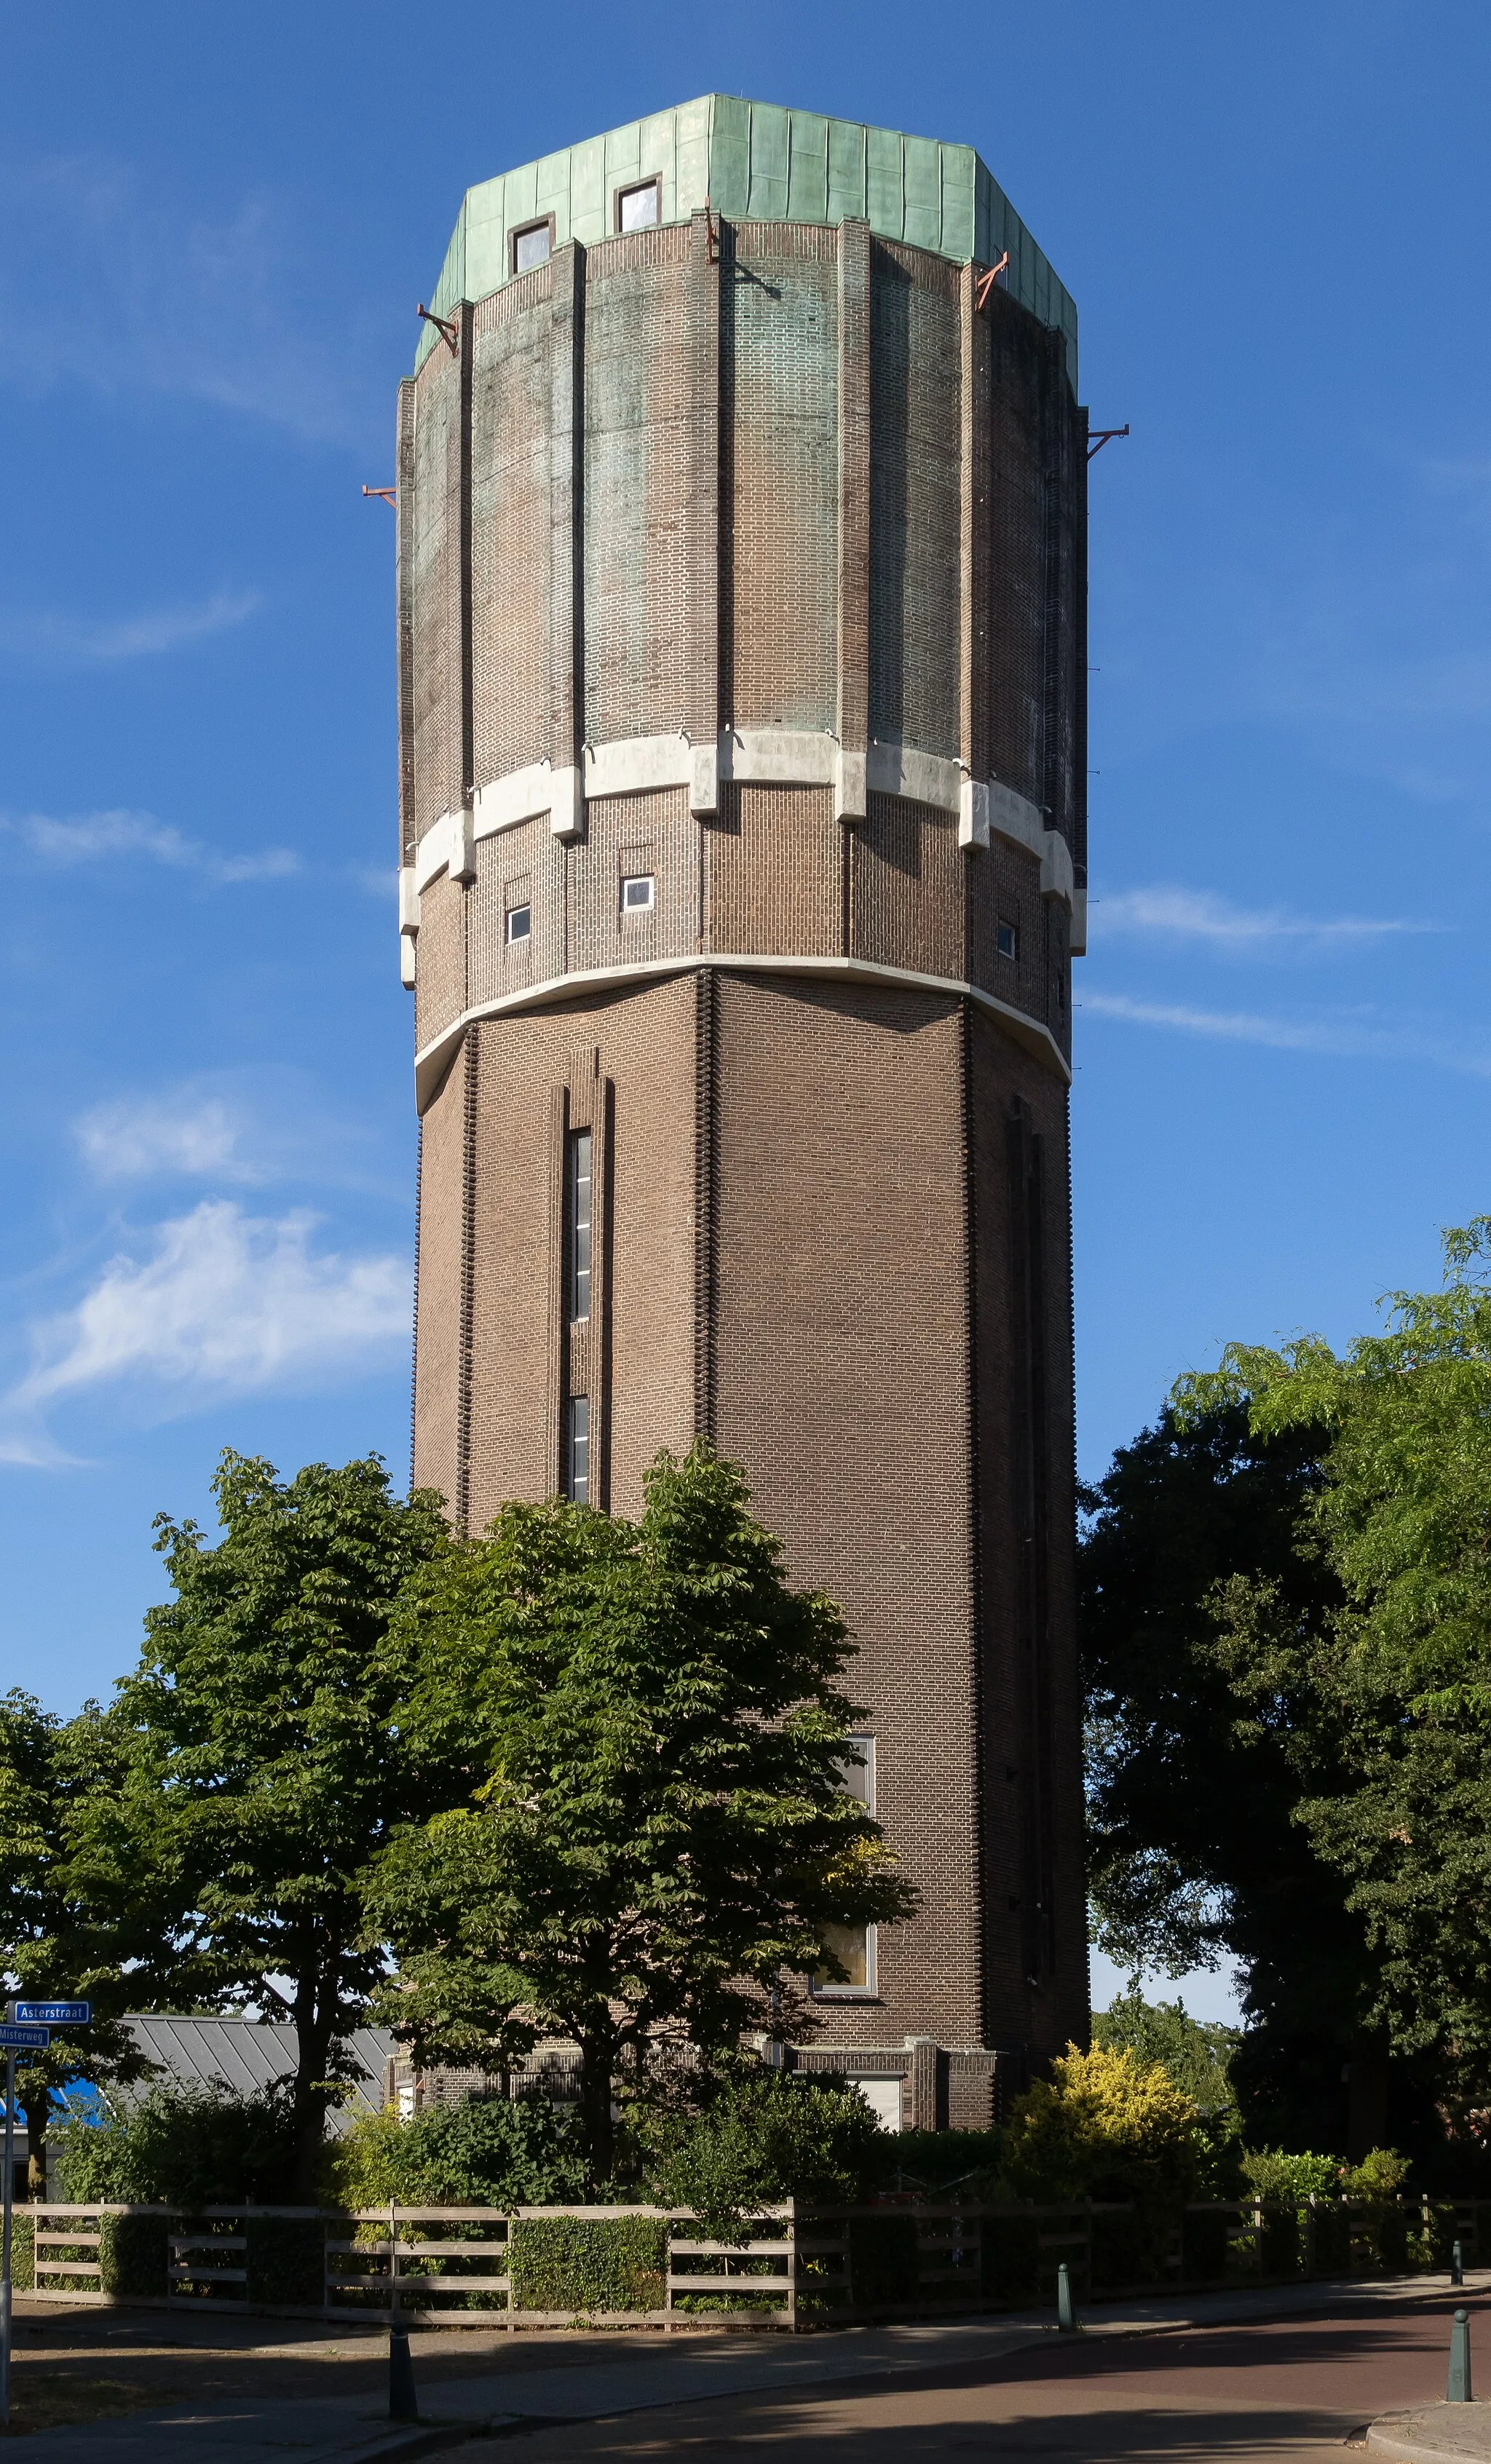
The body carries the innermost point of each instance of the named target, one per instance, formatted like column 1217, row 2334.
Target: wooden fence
column 652, row 2267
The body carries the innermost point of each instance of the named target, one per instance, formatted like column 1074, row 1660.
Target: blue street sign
column 56, row 2014
column 31, row 2040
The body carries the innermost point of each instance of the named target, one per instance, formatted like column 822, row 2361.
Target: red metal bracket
column 986, row 281
column 448, row 332
column 389, row 495
column 1098, row 438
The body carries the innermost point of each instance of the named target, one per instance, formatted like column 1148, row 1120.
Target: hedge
column 575, row 2263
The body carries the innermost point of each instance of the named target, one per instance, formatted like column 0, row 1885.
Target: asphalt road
column 1280, row 2390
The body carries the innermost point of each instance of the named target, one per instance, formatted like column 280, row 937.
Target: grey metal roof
column 248, row 2054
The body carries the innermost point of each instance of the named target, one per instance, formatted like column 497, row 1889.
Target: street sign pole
column 35, row 2038
column 4, row 2255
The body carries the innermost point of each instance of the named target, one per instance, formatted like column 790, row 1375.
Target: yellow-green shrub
column 1104, row 2125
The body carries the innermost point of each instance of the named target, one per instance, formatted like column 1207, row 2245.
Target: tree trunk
column 597, row 2062
column 36, row 2098
column 1366, row 2097
column 314, row 2010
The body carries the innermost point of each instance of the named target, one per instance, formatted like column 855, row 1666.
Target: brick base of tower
column 831, row 1231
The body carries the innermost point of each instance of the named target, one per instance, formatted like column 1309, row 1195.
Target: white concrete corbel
column 704, row 780
column 567, row 809
column 408, row 924
column 849, row 786
column 972, row 813
column 463, row 845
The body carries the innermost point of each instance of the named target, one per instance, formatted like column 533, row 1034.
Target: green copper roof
column 755, row 160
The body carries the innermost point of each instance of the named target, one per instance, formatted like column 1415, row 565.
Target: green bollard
column 1065, row 2315
column 1457, row 2264
column 1458, row 2390
column 403, row 2402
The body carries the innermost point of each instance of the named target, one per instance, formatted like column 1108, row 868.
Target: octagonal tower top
column 752, row 161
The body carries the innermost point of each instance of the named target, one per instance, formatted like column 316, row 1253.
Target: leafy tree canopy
column 1398, row 1674
column 1105, row 2124
column 656, row 1834
column 488, row 2150
column 1196, row 2054
column 264, row 1759
column 58, row 1936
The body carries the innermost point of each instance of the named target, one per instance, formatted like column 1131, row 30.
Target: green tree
column 1196, row 2054
column 656, row 1836
column 266, row 1762
column 1400, row 1674
column 1205, row 1592
column 57, row 1937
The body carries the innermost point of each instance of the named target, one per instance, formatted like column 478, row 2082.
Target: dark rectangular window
column 533, row 244
column 577, row 1450
column 639, row 206
column 576, row 1210
column 519, row 923
column 1007, row 939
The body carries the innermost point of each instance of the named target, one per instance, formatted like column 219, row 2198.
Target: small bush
column 181, row 2146
column 1012, row 2259
column 1272, row 2175
column 939, row 2161
column 486, row 2151
column 1104, row 2125
column 571, row 2263
column 286, row 2261
column 1381, row 2174
column 23, row 2254
column 134, row 2254
column 767, row 2137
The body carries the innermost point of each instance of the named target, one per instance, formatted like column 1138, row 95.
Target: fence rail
column 898, row 2258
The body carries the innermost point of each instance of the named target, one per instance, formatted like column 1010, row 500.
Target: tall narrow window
column 577, row 1450
column 577, row 1208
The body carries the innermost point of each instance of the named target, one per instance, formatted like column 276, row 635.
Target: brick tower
column 741, row 655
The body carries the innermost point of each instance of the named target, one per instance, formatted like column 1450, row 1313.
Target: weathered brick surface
column 813, row 488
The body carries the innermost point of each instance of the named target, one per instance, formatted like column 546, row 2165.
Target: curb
column 1414, row 2441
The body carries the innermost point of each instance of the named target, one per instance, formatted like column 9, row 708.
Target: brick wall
column 777, row 476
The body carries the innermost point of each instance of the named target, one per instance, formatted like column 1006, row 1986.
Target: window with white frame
column 1007, row 937
column 519, row 923
column 639, row 207
column 577, row 1227
column 852, row 1947
column 577, row 1450
column 638, row 893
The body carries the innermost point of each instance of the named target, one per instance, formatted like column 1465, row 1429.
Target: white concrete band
column 764, row 756
column 431, row 1063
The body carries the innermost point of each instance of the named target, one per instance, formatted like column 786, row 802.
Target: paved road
column 1283, row 2391
column 1213, row 2376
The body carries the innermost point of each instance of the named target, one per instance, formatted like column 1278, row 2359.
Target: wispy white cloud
column 1201, row 915
column 228, row 309
column 139, row 1137
column 92, row 838
column 241, row 1127
column 1353, row 1035
column 54, row 639
column 219, row 1303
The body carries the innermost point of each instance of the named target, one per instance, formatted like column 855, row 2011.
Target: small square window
column 636, row 890
column 533, row 244
column 519, row 923
column 639, row 207
column 1007, row 939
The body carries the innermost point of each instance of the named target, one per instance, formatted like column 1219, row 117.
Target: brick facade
column 793, row 503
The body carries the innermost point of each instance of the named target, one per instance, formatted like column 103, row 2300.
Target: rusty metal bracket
column 450, row 333
column 389, row 495
column 1098, row 438
column 986, row 281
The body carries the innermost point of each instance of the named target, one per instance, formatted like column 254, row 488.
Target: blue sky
column 213, row 229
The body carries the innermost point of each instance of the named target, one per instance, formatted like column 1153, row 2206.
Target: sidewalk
column 509, row 2397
